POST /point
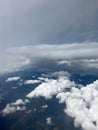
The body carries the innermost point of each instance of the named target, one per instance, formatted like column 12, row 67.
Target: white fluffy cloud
column 82, row 105
column 20, row 102
column 49, row 121
column 19, row 105
column 31, row 82
column 51, row 87
column 81, row 101
column 11, row 109
column 45, row 106
column 12, row 79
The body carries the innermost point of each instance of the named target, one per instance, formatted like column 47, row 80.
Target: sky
column 63, row 31
column 38, row 23
column 47, row 21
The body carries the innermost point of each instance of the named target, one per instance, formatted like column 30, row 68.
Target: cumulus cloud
column 19, row 105
column 20, row 102
column 49, row 121
column 51, row 87
column 81, row 102
column 11, row 109
column 83, row 63
column 10, row 79
column 55, row 75
column 31, row 82
column 45, row 106
column 82, row 105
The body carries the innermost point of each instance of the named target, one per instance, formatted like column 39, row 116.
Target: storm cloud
column 72, row 55
column 28, row 27
column 42, row 21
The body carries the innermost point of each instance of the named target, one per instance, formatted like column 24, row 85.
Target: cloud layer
column 75, row 54
column 51, row 87
column 10, row 79
column 18, row 105
column 81, row 101
column 42, row 21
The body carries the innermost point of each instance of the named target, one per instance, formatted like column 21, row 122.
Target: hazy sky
column 47, row 21
column 37, row 22
column 27, row 26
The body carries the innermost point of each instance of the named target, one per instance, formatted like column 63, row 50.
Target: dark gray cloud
column 43, row 21
column 75, row 56
column 24, row 23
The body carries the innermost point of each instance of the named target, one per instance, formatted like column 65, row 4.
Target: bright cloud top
column 11, row 109
column 45, row 106
column 31, row 82
column 51, row 87
column 19, row 105
column 10, row 79
column 82, row 105
column 81, row 101
column 49, row 121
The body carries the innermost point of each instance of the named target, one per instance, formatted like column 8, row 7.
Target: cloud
column 43, row 21
column 56, row 75
column 20, row 102
column 49, row 121
column 11, row 109
column 19, row 105
column 31, row 82
column 19, row 57
column 10, row 79
column 45, row 106
column 84, row 63
column 51, row 87
column 81, row 102
column 42, row 78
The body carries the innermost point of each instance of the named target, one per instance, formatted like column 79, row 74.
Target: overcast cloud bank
column 42, row 21
column 15, row 58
